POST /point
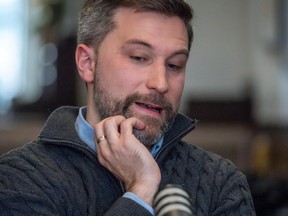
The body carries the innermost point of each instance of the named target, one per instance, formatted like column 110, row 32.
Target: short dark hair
column 96, row 18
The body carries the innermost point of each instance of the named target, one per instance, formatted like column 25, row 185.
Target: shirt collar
column 86, row 133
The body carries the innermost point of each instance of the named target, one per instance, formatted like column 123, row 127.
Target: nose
column 158, row 79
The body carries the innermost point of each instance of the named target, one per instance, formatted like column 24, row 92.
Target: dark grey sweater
column 58, row 174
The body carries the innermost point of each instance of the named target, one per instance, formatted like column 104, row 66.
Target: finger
column 98, row 129
column 128, row 125
column 101, row 143
column 100, row 139
column 104, row 152
column 111, row 128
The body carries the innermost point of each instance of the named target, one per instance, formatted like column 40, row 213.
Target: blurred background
column 236, row 86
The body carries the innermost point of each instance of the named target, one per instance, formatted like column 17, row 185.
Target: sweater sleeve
column 234, row 196
column 33, row 183
column 125, row 207
column 21, row 193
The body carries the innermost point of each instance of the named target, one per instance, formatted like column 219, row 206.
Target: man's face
column 140, row 71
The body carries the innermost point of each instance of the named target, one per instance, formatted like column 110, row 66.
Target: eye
column 173, row 67
column 138, row 58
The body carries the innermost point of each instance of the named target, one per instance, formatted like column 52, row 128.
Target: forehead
column 153, row 27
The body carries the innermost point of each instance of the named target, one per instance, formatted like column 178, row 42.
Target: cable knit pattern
column 215, row 185
column 60, row 175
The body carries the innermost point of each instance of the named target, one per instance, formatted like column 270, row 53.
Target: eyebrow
column 148, row 45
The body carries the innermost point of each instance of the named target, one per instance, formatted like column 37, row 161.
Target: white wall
column 219, row 64
column 231, row 54
column 270, row 75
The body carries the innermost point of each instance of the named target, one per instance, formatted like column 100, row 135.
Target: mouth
column 150, row 108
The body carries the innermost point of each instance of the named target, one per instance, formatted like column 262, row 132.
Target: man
column 111, row 157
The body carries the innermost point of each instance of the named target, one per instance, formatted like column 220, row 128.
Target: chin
column 148, row 137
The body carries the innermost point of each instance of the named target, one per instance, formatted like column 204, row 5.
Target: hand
column 128, row 159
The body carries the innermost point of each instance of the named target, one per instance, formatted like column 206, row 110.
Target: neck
column 92, row 116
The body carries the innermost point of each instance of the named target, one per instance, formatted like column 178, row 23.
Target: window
column 12, row 44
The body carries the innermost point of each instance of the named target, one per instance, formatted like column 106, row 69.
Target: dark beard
column 107, row 106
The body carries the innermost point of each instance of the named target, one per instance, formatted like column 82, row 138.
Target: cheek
column 118, row 79
column 176, row 90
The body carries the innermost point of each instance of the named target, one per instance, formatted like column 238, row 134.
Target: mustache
column 152, row 98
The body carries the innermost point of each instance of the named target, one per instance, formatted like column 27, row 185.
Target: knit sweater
column 58, row 174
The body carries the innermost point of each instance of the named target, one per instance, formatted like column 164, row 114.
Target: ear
column 85, row 61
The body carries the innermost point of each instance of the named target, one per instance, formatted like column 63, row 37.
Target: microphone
column 172, row 200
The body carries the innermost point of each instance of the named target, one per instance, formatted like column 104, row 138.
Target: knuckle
column 101, row 160
column 106, row 154
column 120, row 117
column 126, row 121
column 115, row 148
column 115, row 118
column 97, row 127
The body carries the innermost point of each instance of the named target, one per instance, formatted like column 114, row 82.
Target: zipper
column 184, row 132
column 122, row 187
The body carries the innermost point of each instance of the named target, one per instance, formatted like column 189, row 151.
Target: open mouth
column 150, row 107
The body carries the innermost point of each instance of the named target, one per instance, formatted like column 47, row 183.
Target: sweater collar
column 60, row 126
